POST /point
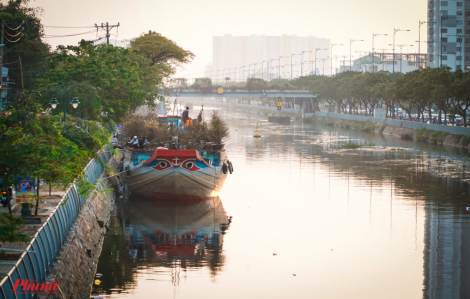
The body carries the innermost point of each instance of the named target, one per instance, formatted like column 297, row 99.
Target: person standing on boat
column 185, row 116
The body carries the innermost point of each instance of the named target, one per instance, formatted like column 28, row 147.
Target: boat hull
column 164, row 186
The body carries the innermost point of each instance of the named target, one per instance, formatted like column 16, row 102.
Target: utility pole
column 107, row 28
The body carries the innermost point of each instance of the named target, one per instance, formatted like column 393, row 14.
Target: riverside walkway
column 34, row 261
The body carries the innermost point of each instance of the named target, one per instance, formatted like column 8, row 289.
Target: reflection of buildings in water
column 446, row 254
column 183, row 236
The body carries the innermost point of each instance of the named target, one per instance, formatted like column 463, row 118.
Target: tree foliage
column 424, row 91
column 39, row 145
column 164, row 54
column 9, row 225
column 30, row 47
column 104, row 78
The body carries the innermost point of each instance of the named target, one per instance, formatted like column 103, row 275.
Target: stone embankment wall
column 420, row 135
column 76, row 264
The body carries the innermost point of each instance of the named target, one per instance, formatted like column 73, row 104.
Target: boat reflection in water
column 146, row 234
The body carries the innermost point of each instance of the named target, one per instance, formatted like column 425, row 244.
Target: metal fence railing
column 35, row 263
column 398, row 123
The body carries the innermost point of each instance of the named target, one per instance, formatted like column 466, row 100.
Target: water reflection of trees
column 143, row 235
column 419, row 171
column 114, row 263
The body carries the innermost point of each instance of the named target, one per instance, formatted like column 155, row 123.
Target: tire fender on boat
column 230, row 167
column 224, row 168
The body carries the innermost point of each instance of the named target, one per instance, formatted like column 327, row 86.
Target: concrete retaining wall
column 76, row 264
column 398, row 123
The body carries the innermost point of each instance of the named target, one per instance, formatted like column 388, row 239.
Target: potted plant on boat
column 218, row 131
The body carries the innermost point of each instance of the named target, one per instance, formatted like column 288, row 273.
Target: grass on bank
column 351, row 145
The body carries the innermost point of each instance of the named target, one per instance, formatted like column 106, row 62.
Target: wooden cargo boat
column 187, row 176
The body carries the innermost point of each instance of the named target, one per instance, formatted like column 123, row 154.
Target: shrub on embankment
column 364, row 126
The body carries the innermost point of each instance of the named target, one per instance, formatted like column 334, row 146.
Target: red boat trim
column 191, row 153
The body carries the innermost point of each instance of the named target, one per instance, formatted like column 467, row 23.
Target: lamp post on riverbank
column 350, row 47
column 393, row 65
column 373, row 56
column 302, row 63
column 74, row 102
column 331, row 55
column 316, row 50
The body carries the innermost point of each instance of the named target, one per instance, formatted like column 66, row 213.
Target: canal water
column 303, row 217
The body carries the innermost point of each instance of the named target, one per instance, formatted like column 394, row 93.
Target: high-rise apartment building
column 449, row 33
column 268, row 57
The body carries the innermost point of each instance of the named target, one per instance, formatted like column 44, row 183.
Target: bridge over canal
column 240, row 93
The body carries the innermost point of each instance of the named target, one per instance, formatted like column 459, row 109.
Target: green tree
column 461, row 87
column 164, row 54
column 9, row 225
column 30, row 47
column 105, row 79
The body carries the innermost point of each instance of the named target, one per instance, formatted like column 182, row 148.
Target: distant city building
column 208, row 71
column 240, row 57
column 449, row 34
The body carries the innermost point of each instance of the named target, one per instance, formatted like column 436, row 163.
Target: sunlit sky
column 192, row 24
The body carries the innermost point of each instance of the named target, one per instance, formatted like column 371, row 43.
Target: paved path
column 46, row 207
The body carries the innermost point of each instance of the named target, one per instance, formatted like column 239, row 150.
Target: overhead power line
column 12, row 28
column 51, row 36
column 11, row 41
column 70, row 27
column 11, row 35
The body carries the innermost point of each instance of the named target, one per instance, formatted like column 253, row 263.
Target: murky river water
column 301, row 217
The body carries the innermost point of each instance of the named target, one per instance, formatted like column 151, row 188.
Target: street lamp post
column 228, row 77
column 267, row 69
column 344, row 61
column 401, row 53
column 323, row 64
column 262, row 69
column 393, row 64
column 383, row 57
column 316, row 50
column 254, row 70
column 291, row 64
column 419, row 55
column 419, row 39
column 279, row 71
column 302, row 63
column 332, row 45
column 336, row 64
column 74, row 102
column 373, row 57
column 350, row 47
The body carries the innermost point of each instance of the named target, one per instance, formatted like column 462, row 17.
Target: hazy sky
column 191, row 24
